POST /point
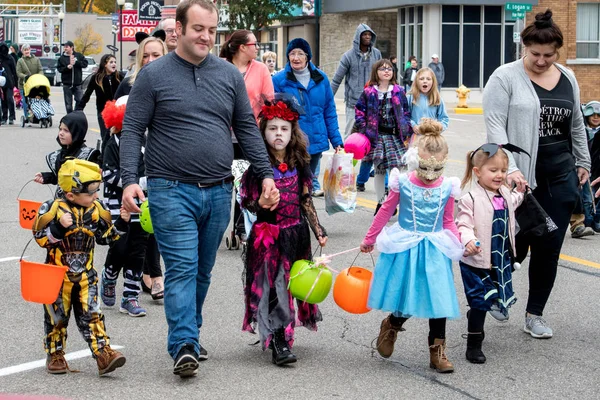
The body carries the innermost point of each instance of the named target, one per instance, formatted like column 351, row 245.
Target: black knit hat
column 299, row 43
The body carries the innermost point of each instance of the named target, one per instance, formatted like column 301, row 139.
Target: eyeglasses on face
column 385, row 69
column 297, row 55
column 170, row 31
column 257, row 44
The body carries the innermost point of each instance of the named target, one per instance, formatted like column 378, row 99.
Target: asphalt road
column 337, row 361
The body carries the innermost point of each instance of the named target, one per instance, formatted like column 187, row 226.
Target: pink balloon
column 357, row 144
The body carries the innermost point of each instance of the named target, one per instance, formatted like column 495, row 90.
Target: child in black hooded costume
column 71, row 137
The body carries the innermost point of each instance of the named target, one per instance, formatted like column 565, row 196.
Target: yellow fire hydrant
column 462, row 93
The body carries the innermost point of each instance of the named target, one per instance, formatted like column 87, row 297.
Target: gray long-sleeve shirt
column 188, row 110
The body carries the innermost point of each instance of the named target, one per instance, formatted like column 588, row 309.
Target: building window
column 410, row 35
column 588, row 30
column 273, row 40
column 465, row 30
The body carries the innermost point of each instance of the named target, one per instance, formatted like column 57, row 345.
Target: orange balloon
column 351, row 289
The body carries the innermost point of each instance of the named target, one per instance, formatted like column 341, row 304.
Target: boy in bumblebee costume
column 69, row 227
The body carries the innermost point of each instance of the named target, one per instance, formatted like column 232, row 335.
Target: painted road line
column 458, row 119
column 9, row 259
column 94, row 130
column 581, row 261
column 372, row 204
column 42, row 363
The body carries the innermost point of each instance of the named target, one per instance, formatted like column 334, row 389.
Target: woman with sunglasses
column 242, row 50
column 533, row 103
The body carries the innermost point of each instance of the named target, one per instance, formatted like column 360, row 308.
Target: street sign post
column 518, row 7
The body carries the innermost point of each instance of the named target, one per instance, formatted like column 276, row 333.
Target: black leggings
column 152, row 261
column 476, row 320
column 558, row 197
column 437, row 326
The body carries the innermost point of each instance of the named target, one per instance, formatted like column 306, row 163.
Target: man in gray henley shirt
column 189, row 100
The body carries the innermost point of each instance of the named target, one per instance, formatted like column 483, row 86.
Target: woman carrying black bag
column 534, row 103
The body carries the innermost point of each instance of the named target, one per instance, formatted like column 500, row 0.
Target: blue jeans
column 315, row 167
column 587, row 200
column 23, row 102
column 189, row 223
column 365, row 172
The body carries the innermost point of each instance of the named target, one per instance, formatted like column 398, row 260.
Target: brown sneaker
column 387, row 337
column 437, row 357
column 56, row 363
column 108, row 360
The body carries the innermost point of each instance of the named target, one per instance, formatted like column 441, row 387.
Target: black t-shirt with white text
column 555, row 156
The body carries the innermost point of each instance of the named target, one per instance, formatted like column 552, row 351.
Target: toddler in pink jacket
column 486, row 222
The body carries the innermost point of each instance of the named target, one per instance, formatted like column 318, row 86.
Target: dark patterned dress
column 278, row 238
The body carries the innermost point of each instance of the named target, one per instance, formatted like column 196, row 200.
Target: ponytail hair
column 232, row 45
column 468, row 171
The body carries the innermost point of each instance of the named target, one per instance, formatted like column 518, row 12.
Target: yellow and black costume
column 74, row 247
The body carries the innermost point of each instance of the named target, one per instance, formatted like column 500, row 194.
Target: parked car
column 49, row 68
column 90, row 69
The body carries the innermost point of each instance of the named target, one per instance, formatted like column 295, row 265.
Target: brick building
column 472, row 37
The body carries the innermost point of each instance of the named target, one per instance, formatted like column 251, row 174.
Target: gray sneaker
column 537, row 327
column 582, row 231
column 497, row 314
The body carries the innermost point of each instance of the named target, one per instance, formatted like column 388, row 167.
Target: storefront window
column 410, row 35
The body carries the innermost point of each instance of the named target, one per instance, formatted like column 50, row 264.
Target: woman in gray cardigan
column 534, row 103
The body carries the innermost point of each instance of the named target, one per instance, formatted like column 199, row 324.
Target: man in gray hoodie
column 355, row 66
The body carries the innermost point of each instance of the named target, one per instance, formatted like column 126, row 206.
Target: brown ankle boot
column 56, row 363
column 387, row 337
column 437, row 357
column 108, row 360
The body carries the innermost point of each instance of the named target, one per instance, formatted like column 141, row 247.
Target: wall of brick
column 565, row 15
column 337, row 33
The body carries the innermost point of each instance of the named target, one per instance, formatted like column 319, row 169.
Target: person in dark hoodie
column 355, row 67
column 10, row 73
column 70, row 65
column 71, row 138
column 104, row 83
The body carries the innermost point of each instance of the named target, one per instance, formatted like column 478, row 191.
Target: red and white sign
column 132, row 25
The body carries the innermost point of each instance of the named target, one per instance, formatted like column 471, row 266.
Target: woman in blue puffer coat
column 311, row 88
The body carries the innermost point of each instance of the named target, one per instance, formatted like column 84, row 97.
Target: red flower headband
column 279, row 110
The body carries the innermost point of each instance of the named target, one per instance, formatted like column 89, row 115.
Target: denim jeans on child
column 189, row 223
column 315, row 167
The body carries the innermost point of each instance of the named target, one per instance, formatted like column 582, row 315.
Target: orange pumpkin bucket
column 351, row 289
column 28, row 209
column 40, row 283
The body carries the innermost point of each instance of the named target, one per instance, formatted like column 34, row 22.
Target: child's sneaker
column 107, row 290
column 56, row 363
column 132, row 307
column 108, row 360
column 497, row 314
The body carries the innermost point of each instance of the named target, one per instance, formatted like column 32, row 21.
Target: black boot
column 281, row 350
column 474, row 353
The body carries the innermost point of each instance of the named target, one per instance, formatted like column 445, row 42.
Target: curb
column 474, row 110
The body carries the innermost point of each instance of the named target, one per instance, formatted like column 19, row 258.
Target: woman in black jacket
column 105, row 83
column 10, row 73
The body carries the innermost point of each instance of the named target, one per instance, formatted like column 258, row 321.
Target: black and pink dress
column 278, row 238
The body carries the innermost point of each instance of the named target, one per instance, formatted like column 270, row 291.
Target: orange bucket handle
column 352, row 263
column 27, row 183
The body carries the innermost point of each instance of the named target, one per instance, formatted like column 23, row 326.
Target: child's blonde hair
column 479, row 158
column 433, row 96
column 430, row 137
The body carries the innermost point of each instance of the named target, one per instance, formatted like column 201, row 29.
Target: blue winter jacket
column 319, row 121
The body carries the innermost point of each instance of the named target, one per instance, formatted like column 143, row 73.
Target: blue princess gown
column 413, row 275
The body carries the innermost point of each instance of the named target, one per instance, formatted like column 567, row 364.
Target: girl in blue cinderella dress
column 413, row 275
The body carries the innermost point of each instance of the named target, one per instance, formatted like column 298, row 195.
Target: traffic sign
column 517, row 15
column 115, row 18
column 518, row 7
column 516, row 37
